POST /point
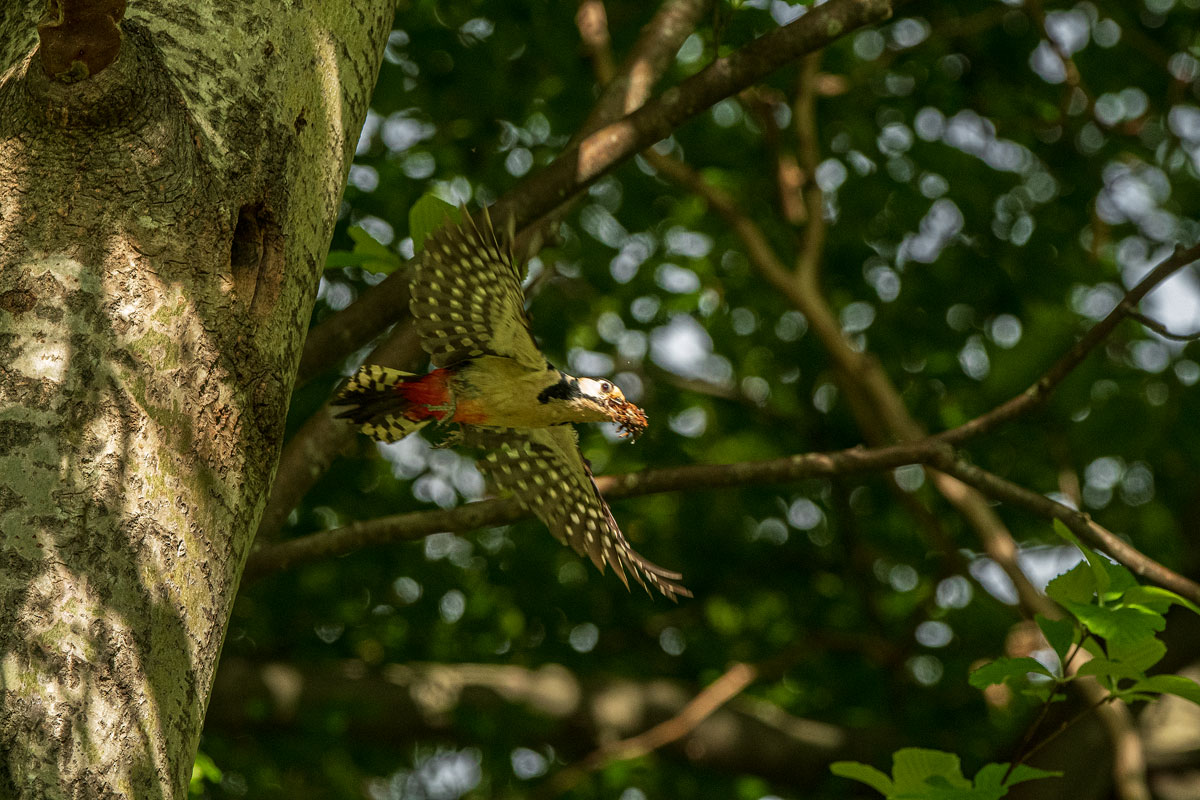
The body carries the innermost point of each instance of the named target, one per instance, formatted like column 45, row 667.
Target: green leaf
column 342, row 258
column 204, row 770
column 1076, row 585
column 1121, row 624
column 366, row 243
column 1157, row 599
column 338, row 259
column 1093, row 559
column 938, row 788
column 1120, row 579
column 1177, row 685
column 1110, row 671
column 1043, row 692
column 864, row 773
column 913, row 766
column 1007, row 669
column 1140, row 654
column 1059, row 633
column 367, row 254
column 428, row 214
column 992, row 775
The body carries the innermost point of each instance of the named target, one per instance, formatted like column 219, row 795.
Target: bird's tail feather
column 377, row 403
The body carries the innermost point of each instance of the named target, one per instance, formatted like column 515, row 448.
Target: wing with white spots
column 467, row 298
column 544, row 469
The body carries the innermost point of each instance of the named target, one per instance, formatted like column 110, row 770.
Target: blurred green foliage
column 982, row 213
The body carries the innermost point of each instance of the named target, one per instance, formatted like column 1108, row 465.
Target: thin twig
column 1022, row 751
column 761, row 102
column 1037, row 394
column 812, row 241
column 1108, row 698
column 1162, row 330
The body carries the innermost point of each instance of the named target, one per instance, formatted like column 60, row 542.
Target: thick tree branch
column 930, row 451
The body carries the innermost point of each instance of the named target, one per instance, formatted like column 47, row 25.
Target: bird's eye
column 605, row 387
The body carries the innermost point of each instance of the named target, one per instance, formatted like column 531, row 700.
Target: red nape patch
column 428, row 390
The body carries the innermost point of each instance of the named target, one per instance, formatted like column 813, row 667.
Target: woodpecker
column 509, row 402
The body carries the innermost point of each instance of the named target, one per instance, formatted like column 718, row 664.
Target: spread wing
column 467, row 298
column 544, row 469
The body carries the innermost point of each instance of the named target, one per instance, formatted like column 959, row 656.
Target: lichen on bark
column 161, row 227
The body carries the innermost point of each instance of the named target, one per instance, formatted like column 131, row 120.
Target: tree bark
column 165, row 208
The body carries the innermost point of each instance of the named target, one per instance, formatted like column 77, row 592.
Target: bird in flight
column 509, row 401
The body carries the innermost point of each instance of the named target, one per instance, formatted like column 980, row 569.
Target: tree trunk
column 167, row 195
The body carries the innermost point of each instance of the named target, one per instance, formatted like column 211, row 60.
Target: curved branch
column 874, row 400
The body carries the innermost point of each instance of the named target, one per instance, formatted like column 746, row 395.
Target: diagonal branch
column 699, row 708
column 1037, row 394
column 628, row 89
column 874, row 400
column 1081, row 524
column 310, row 453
